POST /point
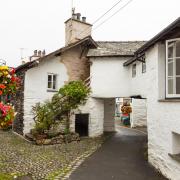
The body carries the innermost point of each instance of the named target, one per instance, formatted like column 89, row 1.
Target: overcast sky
column 39, row 24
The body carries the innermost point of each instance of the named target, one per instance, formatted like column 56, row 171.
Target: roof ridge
column 120, row 41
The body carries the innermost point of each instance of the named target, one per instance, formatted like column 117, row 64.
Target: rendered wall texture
column 36, row 86
column 95, row 108
column 139, row 113
column 109, row 78
column 109, row 114
column 162, row 117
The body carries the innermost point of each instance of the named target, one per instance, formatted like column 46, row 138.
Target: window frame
column 52, row 75
column 134, row 75
column 174, row 76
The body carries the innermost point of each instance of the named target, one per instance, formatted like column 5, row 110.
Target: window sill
column 175, row 156
column 169, row 100
column 51, row 90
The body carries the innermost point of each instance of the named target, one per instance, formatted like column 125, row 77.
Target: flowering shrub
column 9, row 83
column 7, row 115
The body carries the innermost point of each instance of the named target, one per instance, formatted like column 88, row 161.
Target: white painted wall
column 95, row 108
column 138, row 84
column 109, row 115
column 109, row 77
column 162, row 117
column 36, row 86
column 139, row 113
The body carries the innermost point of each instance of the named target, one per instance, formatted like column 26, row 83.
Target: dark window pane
column 170, row 52
column 134, row 70
column 143, row 67
column 54, row 77
column 178, row 49
column 54, row 85
column 49, row 84
column 178, row 66
column 178, row 85
column 170, row 69
column 170, row 86
column 54, row 81
column 49, row 78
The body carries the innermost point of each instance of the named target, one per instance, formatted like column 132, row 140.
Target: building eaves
column 169, row 30
column 88, row 40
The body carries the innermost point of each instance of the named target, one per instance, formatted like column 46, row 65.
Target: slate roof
column 88, row 40
column 115, row 48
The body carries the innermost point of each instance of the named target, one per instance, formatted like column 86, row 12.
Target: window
column 134, row 70
column 144, row 67
column 52, row 82
column 173, row 68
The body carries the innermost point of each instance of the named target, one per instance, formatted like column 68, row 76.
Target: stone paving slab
column 120, row 158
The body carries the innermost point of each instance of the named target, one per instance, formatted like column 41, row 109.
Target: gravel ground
column 18, row 157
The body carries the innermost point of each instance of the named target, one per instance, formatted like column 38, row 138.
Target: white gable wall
column 36, row 86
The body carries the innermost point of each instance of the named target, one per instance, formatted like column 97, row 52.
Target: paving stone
column 19, row 157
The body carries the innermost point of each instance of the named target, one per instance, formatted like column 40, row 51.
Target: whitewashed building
column 149, row 70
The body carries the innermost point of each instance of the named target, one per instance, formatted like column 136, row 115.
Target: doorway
column 82, row 124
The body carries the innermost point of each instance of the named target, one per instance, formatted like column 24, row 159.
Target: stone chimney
column 76, row 28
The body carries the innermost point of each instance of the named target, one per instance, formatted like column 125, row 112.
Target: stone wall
column 19, row 105
column 109, row 113
column 139, row 113
column 77, row 65
column 95, row 108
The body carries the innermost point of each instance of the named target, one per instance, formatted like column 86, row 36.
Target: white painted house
column 150, row 70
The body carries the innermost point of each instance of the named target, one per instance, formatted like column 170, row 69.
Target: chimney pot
column 44, row 53
column 35, row 52
column 84, row 19
column 78, row 16
column 39, row 53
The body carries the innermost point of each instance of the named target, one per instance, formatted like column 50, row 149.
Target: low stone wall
column 60, row 139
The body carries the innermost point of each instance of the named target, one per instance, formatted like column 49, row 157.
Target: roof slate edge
column 153, row 41
column 116, row 55
column 57, row 52
column 157, row 37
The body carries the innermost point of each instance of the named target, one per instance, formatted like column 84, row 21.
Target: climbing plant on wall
column 69, row 98
column 9, row 84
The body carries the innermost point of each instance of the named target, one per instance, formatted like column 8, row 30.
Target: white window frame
column 174, row 67
column 134, row 75
column 52, row 89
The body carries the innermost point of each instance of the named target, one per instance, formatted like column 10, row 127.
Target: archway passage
column 114, row 117
column 120, row 157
